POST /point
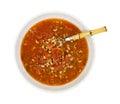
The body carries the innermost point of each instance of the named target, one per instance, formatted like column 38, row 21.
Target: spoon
column 84, row 34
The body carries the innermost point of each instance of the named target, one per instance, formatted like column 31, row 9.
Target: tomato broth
column 47, row 59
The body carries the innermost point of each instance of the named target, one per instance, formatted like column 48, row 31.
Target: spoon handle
column 89, row 33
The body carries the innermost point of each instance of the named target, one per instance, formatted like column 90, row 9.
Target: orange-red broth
column 49, row 61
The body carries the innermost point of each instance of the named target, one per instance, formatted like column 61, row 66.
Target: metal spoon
column 84, row 34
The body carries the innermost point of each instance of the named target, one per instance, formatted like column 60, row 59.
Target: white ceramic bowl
column 29, row 25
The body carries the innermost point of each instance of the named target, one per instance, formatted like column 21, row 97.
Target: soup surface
column 47, row 59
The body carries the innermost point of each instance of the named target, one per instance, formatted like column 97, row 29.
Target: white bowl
column 29, row 25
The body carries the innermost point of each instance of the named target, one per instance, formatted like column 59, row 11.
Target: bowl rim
column 35, row 20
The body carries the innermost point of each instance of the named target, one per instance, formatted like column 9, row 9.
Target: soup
column 47, row 59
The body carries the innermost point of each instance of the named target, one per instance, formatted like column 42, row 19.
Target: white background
column 102, row 83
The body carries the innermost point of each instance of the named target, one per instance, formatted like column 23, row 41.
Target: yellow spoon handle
column 89, row 33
